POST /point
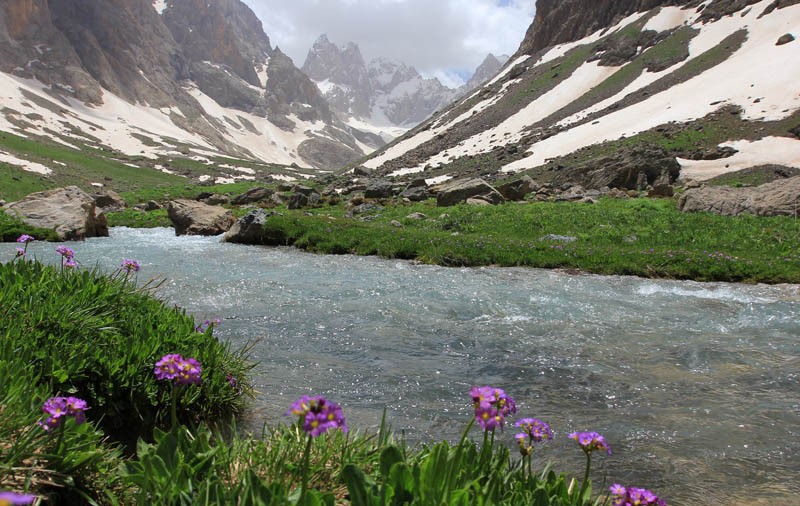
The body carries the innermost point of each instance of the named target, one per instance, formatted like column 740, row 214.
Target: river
column 695, row 386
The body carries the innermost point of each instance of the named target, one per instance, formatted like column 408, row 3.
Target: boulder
column 152, row 205
column 416, row 191
column 217, row 199
column 456, row 192
column 109, row 201
column 785, row 39
column 303, row 198
column 362, row 171
column 778, row 198
column 250, row 229
column 252, row 196
column 70, row 211
column 379, row 189
column 517, row 190
column 196, row 218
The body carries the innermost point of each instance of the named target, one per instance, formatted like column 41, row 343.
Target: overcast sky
column 443, row 38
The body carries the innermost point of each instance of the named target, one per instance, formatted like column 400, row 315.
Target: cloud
column 438, row 37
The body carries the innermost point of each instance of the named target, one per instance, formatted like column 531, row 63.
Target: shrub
column 98, row 337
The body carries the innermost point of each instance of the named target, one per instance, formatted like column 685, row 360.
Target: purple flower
column 167, row 367
column 129, row 265
column 231, row 380
column 70, row 263
column 175, row 368
column 59, row 408
column 25, row 238
column 203, row 327
column 65, row 252
column 591, row 441
column 317, row 415
column 633, row 496
column 189, row 371
column 492, row 405
column 20, row 252
column 13, row 498
column 534, row 431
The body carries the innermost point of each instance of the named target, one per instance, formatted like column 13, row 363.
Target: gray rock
column 251, row 229
column 301, row 199
column 109, row 201
column 785, row 39
column 416, row 193
column 416, row 216
column 379, row 189
column 517, row 190
column 70, row 211
column 217, row 199
column 2, row 202
column 363, row 171
column 629, row 169
column 196, row 218
column 778, row 198
column 558, row 238
column 152, row 205
column 456, row 192
column 661, row 190
column 252, row 196
column 396, row 223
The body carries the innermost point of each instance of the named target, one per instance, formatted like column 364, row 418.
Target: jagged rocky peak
column 386, row 74
column 223, row 32
column 489, row 68
column 342, row 76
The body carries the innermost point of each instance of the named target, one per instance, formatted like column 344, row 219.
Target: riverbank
column 642, row 237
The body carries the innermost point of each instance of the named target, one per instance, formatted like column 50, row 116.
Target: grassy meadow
column 642, row 237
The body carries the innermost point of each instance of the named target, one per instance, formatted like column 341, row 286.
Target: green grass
column 642, row 237
column 96, row 336
column 11, row 228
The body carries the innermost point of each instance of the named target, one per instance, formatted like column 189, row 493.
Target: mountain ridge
column 715, row 67
column 207, row 67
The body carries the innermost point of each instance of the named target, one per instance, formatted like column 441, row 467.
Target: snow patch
column 160, row 6
column 24, row 164
column 758, row 77
column 769, row 150
column 669, row 18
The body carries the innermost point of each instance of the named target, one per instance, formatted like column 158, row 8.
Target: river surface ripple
column 695, row 386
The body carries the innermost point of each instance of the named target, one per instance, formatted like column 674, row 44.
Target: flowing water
column 695, row 386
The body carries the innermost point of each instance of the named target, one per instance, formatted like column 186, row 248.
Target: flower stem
column 306, row 458
column 174, row 407
column 585, row 484
column 60, row 438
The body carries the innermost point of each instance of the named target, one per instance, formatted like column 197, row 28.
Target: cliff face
column 560, row 21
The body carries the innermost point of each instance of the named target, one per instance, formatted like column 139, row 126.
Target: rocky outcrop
column 457, row 192
column 778, row 198
column 632, row 169
column 191, row 217
column 560, row 21
column 251, row 229
column 70, row 211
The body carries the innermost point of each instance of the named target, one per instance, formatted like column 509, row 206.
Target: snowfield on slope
column 760, row 77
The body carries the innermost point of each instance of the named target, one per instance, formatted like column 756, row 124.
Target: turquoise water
column 696, row 386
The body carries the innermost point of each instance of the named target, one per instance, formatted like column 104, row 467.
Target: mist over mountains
column 383, row 96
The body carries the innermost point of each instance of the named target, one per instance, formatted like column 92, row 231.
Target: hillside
column 710, row 84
